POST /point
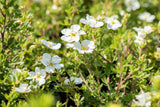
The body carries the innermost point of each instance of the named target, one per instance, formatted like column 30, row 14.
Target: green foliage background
column 23, row 23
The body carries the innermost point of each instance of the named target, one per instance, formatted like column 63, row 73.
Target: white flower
column 51, row 45
column 143, row 31
column 91, row 21
column 51, row 63
column 157, row 53
column 23, row 88
column 72, row 34
column 54, row 7
column 74, row 79
column 146, row 16
column 114, row 16
column 38, row 76
column 70, row 45
column 132, row 5
column 159, row 23
column 139, row 40
column 122, row 12
column 15, row 73
column 112, row 22
column 158, row 49
column 143, row 100
column 85, row 46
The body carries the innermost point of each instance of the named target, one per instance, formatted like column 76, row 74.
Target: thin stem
column 103, row 57
column 88, row 67
column 123, row 82
column 158, row 102
column 120, row 75
column 84, row 80
column 108, row 82
column 3, row 31
column 140, row 52
column 133, row 86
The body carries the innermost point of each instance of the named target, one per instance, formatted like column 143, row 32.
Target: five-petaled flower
column 146, row 16
column 85, row 46
column 51, row 45
column 112, row 22
column 23, row 88
column 143, row 31
column 132, row 5
column 72, row 34
column 139, row 40
column 51, row 63
column 38, row 76
column 157, row 54
column 91, row 21
column 143, row 100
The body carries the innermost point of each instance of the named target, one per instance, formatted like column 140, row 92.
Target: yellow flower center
column 139, row 39
column 157, row 54
column 51, row 64
column 130, row 3
column 112, row 22
column 145, row 18
column 84, row 48
column 73, row 34
column 37, row 76
column 143, row 32
column 49, row 45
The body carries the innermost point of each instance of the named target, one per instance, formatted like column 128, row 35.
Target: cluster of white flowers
column 72, row 35
column 142, row 32
column 144, row 99
column 146, row 16
column 23, row 88
column 73, row 79
column 38, row 77
column 132, row 5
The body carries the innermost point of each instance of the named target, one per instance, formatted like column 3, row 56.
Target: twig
column 140, row 52
column 88, row 67
column 123, row 82
column 3, row 31
column 158, row 102
column 74, row 11
column 103, row 57
column 120, row 75
column 133, row 86
column 108, row 82
column 84, row 80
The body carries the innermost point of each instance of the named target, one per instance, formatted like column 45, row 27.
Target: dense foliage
column 80, row 53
